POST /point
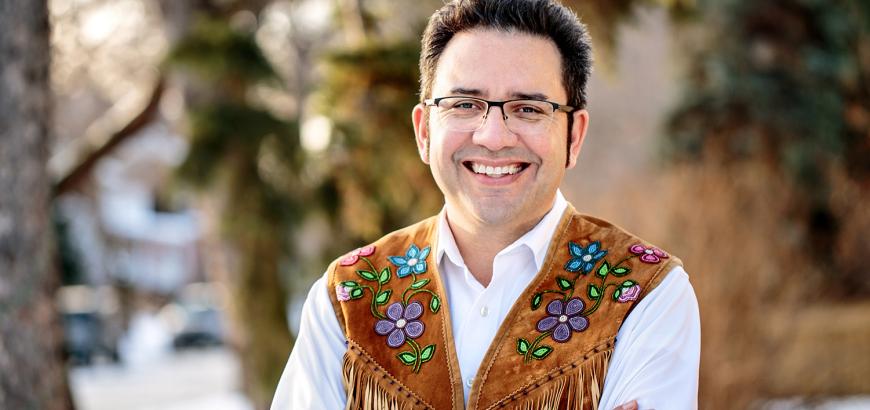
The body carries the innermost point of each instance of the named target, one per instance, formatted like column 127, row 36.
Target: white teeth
column 495, row 172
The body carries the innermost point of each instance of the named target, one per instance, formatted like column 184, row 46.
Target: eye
column 528, row 109
column 464, row 105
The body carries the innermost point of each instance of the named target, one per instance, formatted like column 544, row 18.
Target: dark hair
column 545, row 18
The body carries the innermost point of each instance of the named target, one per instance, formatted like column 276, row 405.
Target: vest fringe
column 366, row 390
column 577, row 388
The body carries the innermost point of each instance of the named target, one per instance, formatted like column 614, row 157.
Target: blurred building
column 117, row 227
column 131, row 252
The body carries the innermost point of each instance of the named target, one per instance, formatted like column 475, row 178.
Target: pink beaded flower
column 354, row 256
column 648, row 254
column 341, row 293
column 629, row 294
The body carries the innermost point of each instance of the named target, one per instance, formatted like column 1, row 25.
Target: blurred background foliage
column 787, row 83
column 251, row 160
column 367, row 182
column 297, row 122
column 776, row 87
column 376, row 170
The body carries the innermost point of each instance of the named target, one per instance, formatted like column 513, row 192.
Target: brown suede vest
column 551, row 352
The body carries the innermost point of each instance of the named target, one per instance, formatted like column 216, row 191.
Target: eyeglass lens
column 522, row 116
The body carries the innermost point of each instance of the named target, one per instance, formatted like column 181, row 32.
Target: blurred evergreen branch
column 249, row 160
column 787, row 83
column 219, row 53
column 376, row 170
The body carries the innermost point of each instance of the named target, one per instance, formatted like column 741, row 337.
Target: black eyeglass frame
column 433, row 102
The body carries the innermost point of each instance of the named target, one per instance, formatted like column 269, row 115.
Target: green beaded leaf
column 350, row 284
column 435, row 304
column 419, row 284
column 356, row 293
column 383, row 297
column 620, row 271
column 522, row 346
column 628, row 284
column 594, row 292
column 536, row 300
column 542, row 352
column 367, row 275
column 617, row 293
column 564, row 284
column 427, row 353
column 602, row 271
column 407, row 358
column 384, row 276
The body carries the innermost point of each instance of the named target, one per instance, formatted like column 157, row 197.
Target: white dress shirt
column 655, row 360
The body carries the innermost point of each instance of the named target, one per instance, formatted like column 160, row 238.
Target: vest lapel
column 391, row 303
column 554, row 347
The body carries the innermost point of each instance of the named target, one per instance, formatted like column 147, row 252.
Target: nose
column 494, row 134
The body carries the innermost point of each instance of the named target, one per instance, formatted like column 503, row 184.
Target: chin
column 497, row 212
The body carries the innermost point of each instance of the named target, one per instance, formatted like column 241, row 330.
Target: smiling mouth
column 495, row 171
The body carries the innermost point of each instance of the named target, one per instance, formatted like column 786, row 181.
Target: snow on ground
column 206, row 379
column 846, row 403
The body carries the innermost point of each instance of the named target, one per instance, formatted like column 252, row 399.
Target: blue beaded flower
column 584, row 259
column 413, row 261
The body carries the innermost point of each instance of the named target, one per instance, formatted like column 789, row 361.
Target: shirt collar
column 537, row 240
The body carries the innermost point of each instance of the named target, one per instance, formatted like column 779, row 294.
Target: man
column 508, row 298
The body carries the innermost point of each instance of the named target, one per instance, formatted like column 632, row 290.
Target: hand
column 632, row 405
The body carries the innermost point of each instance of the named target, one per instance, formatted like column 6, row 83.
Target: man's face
column 497, row 66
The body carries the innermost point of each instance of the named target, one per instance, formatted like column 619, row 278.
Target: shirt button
column 469, row 381
column 484, row 311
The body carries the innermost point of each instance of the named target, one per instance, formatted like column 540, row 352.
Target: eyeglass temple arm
column 564, row 108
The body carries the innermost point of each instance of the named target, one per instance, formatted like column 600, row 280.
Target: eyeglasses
column 522, row 117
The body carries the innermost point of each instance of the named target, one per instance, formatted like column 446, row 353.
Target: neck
column 479, row 242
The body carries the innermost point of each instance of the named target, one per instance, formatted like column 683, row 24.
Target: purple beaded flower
column 564, row 317
column 401, row 323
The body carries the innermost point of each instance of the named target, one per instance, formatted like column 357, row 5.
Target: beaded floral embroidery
column 402, row 321
column 567, row 314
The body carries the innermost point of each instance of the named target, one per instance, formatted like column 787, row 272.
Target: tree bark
column 32, row 373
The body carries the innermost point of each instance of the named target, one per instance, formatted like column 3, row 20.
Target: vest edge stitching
column 368, row 360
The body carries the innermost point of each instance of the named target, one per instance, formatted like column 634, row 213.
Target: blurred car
column 91, row 323
column 196, row 316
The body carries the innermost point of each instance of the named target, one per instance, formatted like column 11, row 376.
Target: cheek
column 442, row 145
column 548, row 149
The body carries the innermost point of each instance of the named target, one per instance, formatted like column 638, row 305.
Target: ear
column 421, row 131
column 578, row 134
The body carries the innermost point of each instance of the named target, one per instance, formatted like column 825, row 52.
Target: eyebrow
column 515, row 95
column 467, row 91
column 532, row 96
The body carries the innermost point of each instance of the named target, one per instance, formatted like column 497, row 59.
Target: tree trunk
column 32, row 374
column 265, row 341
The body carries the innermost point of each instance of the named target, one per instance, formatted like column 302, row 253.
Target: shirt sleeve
column 312, row 378
column 658, row 350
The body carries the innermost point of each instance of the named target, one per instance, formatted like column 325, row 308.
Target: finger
column 632, row 405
